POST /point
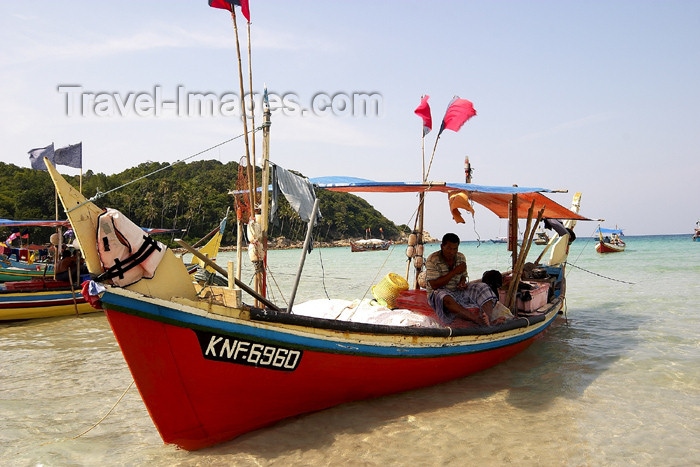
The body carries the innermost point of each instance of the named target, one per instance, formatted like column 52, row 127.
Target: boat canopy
column 494, row 198
column 608, row 231
column 66, row 223
column 14, row 223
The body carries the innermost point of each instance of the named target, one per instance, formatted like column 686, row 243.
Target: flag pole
column 419, row 219
column 432, row 155
column 250, row 89
column 251, row 173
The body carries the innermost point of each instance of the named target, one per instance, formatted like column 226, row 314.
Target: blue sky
column 599, row 97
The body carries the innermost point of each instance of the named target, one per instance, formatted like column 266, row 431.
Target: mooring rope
column 100, row 420
column 107, row 414
column 599, row 275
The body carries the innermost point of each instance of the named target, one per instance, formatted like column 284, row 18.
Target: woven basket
column 389, row 289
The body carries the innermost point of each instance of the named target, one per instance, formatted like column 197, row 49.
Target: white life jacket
column 127, row 253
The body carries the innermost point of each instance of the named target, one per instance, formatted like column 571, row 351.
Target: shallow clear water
column 615, row 383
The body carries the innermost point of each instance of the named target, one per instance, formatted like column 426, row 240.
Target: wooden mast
column 265, row 195
column 513, row 229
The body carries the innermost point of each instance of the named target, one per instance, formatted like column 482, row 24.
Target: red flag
column 423, row 111
column 228, row 5
column 458, row 112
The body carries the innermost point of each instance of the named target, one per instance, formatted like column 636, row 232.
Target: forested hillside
column 191, row 197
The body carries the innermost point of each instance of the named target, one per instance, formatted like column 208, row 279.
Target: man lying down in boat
column 451, row 296
column 454, row 301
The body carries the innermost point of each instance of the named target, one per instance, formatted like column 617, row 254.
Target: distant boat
column 371, row 244
column 696, row 235
column 541, row 238
column 611, row 243
column 499, row 240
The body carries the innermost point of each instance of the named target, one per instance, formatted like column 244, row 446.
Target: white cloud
column 45, row 46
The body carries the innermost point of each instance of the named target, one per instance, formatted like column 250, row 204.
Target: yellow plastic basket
column 389, row 289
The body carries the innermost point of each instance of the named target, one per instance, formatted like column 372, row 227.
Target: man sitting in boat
column 68, row 263
column 449, row 293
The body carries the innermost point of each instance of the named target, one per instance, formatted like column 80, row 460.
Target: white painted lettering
column 254, row 356
column 280, row 357
column 242, row 347
column 211, row 348
column 228, row 348
column 292, row 359
column 268, row 353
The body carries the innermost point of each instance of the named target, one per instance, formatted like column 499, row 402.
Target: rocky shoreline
column 281, row 243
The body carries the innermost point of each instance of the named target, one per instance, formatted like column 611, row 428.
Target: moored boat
column 611, row 242
column 541, row 238
column 12, row 273
column 209, row 372
column 370, row 244
column 41, row 299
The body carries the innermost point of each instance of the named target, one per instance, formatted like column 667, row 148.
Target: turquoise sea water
column 614, row 382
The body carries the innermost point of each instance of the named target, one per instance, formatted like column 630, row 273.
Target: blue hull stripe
column 28, row 298
column 290, row 338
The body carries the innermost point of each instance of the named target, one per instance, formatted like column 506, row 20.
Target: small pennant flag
column 423, row 111
column 229, row 4
column 71, row 156
column 36, row 157
column 458, row 112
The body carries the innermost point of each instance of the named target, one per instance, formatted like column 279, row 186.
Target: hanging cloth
column 459, row 200
column 299, row 193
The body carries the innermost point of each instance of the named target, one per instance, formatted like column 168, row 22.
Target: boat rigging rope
column 99, row 421
column 323, row 274
column 100, row 194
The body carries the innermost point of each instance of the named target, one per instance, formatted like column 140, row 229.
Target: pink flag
column 458, row 112
column 228, row 5
column 423, row 111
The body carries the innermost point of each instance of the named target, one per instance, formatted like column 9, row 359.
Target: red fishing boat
column 208, row 371
column 611, row 242
column 211, row 364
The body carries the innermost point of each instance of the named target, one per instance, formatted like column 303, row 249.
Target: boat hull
column 41, row 303
column 356, row 247
column 22, row 274
column 206, row 380
column 604, row 247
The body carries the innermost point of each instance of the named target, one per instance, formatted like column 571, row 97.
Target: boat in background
column 41, row 299
column 541, row 237
column 611, row 242
column 370, row 244
column 696, row 235
column 499, row 240
column 11, row 273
